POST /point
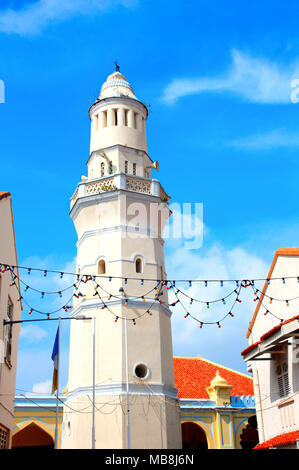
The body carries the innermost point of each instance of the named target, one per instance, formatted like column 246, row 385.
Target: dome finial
column 116, row 66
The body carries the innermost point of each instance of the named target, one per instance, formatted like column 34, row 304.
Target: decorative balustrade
column 120, row 181
column 138, row 185
column 100, row 186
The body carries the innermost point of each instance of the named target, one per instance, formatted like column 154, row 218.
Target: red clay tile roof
column 279, row 252
column 252, row 346
column 4, row 194
column 268, row 334
column 192, row 376
column 281, row 440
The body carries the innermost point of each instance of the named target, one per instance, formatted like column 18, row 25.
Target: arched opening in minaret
column 193, row 436
column 138, row 265
column 102, row 267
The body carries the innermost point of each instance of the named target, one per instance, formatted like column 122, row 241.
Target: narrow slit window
column 138, row 265
column 102, row 169
column 134, row 169
column 135, row 120
column 126, row 117
column 115, row 117
column 102, row 267
column 104, row 119
column 110, row 168
column 96, row 119
column 126, row 166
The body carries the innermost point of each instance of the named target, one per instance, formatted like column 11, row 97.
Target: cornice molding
column 87, row 305
column 119, row 388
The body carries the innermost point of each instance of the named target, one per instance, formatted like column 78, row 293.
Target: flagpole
column 57, row 390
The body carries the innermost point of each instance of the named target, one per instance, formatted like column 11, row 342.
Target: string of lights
column 4, row 267
column 267, row 311
column 217, row 322
column 125, row 298
column 110, row 295
column 65, row 307
column 126, row 303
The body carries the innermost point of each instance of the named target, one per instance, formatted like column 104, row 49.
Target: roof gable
column 279, row 252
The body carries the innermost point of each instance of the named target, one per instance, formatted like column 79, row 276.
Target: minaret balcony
column 119, row 181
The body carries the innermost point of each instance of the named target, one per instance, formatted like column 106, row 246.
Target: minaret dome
column 117, row 117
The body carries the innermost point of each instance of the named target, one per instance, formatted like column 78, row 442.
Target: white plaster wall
column 273, row 418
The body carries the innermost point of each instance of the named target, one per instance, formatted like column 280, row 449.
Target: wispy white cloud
column 33, row 17
column 42, row 387
column 269, row 140
column 32, row 334
column 256, row 80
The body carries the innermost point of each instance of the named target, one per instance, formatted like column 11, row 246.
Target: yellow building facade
column 221, row 421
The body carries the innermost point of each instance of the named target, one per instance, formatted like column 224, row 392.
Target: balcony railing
column 119, row 181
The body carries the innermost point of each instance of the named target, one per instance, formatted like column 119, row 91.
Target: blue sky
column 222, row 126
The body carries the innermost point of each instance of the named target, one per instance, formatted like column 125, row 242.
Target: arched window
column 102, row 267
column 138, row 265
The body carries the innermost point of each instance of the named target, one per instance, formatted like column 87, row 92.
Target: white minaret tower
column 115, row 213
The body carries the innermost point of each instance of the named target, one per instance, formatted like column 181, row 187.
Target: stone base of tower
column 154, row 422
